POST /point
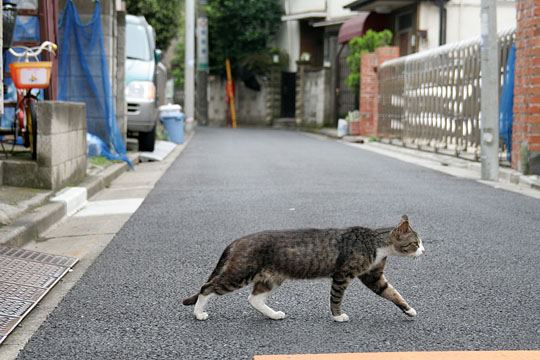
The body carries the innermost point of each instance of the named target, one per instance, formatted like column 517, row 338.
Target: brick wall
column 369, row 88
column 526, row 127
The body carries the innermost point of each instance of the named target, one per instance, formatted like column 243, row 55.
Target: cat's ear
column 403, row 226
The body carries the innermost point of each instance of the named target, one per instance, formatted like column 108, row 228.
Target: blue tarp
column 506, row 113
column 84, row 76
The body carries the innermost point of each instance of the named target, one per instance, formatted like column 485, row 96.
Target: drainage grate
column 25, row 277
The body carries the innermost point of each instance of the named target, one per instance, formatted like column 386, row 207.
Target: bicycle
column 29, row 75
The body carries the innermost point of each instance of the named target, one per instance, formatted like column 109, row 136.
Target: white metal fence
column 431, row 100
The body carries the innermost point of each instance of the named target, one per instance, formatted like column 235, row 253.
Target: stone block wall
column 251, row 106
column 526, row 126
column 61, row 149
column 369, row 88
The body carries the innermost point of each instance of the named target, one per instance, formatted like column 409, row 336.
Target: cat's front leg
column 376, row 281
column 339, row 285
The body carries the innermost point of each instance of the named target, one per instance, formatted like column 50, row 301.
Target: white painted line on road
column 73, row 197
column 110, row 207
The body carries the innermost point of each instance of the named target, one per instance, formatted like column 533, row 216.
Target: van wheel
column 147, row 140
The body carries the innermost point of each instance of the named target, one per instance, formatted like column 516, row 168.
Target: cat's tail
column 221, row 263
column 190, row 300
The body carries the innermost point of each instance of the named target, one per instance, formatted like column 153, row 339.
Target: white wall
column 428, row 19
column 335, row 9
column 463, row 18
column 304, row 6
column 288, row 39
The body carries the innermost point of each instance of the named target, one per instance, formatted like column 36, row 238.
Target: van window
column 137, row 46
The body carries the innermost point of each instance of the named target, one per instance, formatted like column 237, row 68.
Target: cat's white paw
column 411, row 312
column 202, row 316
column 341, row 318
column 278, row 315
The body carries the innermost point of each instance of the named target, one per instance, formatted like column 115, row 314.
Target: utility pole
column 189, row 79
column 202, row 64
column 489, row 96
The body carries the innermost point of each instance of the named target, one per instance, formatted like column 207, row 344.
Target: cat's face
column 405, row 240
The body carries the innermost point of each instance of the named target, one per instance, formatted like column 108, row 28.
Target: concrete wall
column 313, row 96
column 61, row 149
column 317, row 105
column 251, row 106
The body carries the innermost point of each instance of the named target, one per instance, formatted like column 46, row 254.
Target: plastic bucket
column 174, row 125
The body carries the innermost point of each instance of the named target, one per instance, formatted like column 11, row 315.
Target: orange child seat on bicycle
column 28, row 75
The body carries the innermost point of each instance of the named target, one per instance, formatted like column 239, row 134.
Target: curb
column 30, row 225
column 506, row 175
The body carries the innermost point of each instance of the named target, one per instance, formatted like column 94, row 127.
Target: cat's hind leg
column 262, row 287
column 219, row 285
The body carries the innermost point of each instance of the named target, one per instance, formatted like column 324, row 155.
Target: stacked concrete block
column 61, row 143
column 61, row 149
column 251, row 106
column 273, row 100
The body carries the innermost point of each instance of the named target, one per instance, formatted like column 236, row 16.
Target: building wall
column 428, row 19
column 526, row 125
column 304, row 6
column 335, row 9
column 463, row 18
column 288, row 39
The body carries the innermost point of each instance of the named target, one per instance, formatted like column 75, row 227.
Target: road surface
column 476, row 288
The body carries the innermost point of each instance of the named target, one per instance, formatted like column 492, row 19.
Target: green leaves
column 360, row 45
column 164, row 15
column 240, row 29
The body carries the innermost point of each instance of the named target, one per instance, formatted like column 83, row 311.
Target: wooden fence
column 431, row 100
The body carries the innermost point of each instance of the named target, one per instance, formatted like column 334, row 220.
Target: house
column 309, row 31
column 423, row 24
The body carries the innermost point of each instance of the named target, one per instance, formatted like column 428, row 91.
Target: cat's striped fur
column 268, row 258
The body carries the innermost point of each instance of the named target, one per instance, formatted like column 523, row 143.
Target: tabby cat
column 268, row 258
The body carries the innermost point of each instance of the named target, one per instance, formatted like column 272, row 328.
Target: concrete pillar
column 526, row 126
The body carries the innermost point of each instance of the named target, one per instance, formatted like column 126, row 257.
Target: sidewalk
column 27, row 213
column 85, row 234
column 509, row 179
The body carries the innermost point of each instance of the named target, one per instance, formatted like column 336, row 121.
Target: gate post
column 369, row 88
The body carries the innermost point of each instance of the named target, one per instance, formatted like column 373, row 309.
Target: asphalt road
column 477, row 287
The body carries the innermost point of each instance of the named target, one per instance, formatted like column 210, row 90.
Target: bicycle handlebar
column 34, row 51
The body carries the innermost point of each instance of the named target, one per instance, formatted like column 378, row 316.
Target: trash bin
column 172, row 118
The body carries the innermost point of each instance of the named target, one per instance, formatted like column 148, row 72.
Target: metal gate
column 347, row 99
column 288, row 94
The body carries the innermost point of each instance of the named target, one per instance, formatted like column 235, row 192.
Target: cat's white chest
column 382, row 253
